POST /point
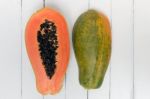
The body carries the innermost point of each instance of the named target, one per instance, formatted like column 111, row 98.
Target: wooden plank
column 71, row 10
column 122, row 50
column 103, row 6
column 142, row 49
column 10, row 50
column 29, row 90
column 73, row 89
column 56, row 4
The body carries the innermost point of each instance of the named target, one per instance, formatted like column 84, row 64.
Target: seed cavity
column 48, row 45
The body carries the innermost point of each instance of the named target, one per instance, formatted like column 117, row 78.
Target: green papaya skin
column 92, row 47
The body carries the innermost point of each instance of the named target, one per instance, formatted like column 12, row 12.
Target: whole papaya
column 92, row 47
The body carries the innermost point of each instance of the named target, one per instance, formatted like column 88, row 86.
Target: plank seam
column 88, row 4
column 21, row 50
column 133, row 91
column 43, row 3
column 65, row 86
column 111, row 49
column 87, row 94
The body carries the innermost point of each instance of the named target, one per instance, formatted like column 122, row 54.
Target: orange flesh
column 43, row 83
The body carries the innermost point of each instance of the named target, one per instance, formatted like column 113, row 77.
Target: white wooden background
column 128, row 76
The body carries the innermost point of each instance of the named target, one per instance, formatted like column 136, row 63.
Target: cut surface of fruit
column 47, row 44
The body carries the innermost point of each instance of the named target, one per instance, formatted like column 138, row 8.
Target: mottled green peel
column 92, row 47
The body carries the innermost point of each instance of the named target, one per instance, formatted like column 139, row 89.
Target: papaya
column 92, row 46
column 48, row 49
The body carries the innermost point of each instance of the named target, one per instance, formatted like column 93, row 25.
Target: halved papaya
column 47, row 44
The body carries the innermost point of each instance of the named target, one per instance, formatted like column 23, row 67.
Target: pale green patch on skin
column 92, row 47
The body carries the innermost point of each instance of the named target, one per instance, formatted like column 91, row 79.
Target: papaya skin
column 92, row 47
column 43, row 84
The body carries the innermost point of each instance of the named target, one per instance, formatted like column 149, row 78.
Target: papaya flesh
column 92, row 47
column 47, row 44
